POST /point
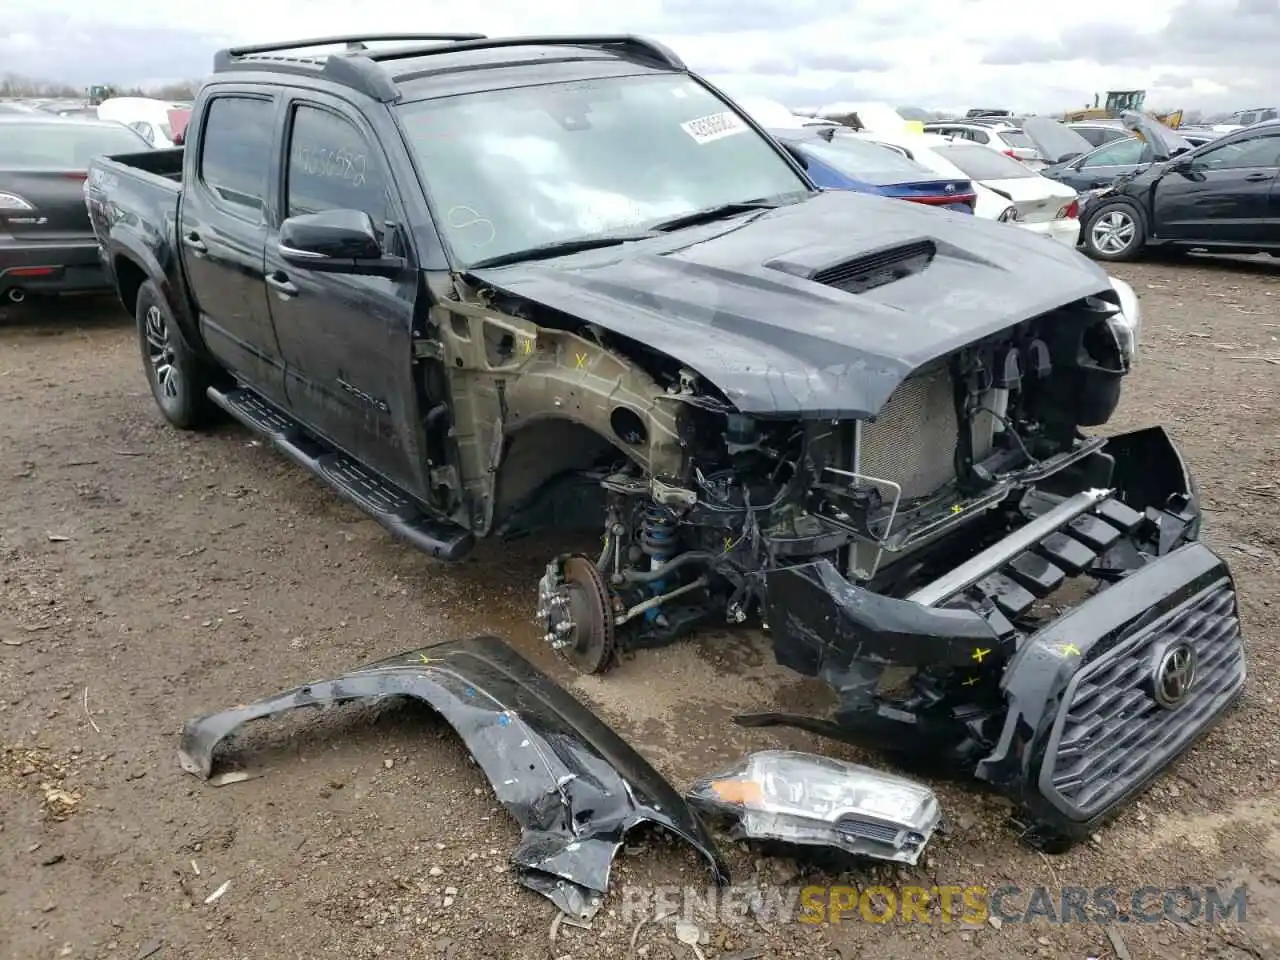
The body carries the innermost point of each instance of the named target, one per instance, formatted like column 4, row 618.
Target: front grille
column 1113, row 734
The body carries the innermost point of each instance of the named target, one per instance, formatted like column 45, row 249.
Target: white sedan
column 1007, row 190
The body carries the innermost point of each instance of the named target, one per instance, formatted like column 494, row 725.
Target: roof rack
column 350, row 68
column 355, row 41
column 639, row 46
column 359, row 67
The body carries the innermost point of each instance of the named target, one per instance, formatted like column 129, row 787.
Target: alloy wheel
column 160, row 353
column 1113, row 232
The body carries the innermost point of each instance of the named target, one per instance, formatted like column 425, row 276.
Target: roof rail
column 350, row 68
column 638, row 46
column 360, row 68
column 224, row 58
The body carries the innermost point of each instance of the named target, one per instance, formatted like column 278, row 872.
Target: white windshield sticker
column 714, row 127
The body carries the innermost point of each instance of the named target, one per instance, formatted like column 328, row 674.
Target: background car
column 1007, row 190
column 46, row 242
column 1000, row 134
column 1223, row 197
column 841, row 161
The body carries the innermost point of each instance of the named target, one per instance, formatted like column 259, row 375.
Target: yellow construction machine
column 1119, row 101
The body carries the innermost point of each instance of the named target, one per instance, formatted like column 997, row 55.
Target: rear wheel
column 1114, row 232
column 179, row 379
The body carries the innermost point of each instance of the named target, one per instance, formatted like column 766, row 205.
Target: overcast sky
column 939, row 54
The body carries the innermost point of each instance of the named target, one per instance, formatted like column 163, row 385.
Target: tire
column 179, row 379
column 1114, row 232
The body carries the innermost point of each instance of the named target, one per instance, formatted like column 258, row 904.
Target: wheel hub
column 576, row 614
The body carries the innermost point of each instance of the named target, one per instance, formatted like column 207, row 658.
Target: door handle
column 281, row 284
column 192, row 241
column 1259, row 177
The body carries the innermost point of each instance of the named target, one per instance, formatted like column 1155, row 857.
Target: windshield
column 865, row 161
column 65, row 146
column 516, row 169
column 981, row 163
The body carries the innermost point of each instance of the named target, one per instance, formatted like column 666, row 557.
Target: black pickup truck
column 486, row 287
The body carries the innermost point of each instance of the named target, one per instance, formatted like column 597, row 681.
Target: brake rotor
column 592, row 642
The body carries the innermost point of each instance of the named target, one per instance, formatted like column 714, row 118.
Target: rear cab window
column 236, row 158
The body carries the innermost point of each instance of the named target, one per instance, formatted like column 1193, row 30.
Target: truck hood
column 742, row 301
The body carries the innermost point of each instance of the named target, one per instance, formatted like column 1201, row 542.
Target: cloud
column 1208, row 54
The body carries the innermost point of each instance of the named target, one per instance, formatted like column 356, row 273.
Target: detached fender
column 575, row 787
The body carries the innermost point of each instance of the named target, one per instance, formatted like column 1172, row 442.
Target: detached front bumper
column 1069, row 715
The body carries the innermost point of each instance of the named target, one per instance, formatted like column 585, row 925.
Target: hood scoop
column 876, row 269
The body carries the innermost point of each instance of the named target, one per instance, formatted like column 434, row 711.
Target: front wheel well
column 129, row 280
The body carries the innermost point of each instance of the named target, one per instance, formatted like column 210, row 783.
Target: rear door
column 1226, row 195
column 347, row 340
column 223, row 234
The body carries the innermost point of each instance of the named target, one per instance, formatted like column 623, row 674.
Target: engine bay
column 954, row 441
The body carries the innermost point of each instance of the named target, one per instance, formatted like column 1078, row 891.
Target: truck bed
column 159, row 164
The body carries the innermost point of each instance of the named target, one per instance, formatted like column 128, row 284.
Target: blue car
column 841, row 162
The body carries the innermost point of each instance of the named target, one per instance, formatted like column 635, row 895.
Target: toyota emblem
column 1175, row 675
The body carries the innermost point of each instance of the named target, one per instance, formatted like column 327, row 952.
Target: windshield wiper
column 719, row 211
column 560, row 248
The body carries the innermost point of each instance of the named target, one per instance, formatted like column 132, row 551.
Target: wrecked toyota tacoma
column 498, row 287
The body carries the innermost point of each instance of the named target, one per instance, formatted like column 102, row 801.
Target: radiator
column 913, row 440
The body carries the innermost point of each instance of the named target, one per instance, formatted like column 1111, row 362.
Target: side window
column 235, row 150
column 979, row 136
column 1258, row 151
column 1268, row 114
column 1249, row 118
column 331, row 167
column 144, row 130
column 1120, row 153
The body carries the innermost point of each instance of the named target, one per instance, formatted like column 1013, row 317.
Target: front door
column 1224, row 195
column 223, row 232
column 1101, row 167
column 347, row 340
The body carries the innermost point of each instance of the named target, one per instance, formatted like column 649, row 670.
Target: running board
column 388, row 504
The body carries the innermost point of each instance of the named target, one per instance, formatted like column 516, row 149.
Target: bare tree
column 15, row 85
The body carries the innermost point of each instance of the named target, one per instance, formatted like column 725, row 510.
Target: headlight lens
column 1008, row 215
column 1127, row 324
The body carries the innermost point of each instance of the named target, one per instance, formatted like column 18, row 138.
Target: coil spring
column 658, row 532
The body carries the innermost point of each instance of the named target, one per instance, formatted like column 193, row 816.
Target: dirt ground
column 148, row 575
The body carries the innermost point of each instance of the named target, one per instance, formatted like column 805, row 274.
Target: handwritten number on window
column 338, row 164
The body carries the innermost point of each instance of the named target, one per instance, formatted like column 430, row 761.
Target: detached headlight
column 1127, row 324
column 1008, row 215
column 799, row 798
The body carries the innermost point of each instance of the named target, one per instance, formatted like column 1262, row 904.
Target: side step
column 389, row 505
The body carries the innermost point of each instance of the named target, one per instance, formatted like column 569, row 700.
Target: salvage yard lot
column 148, row 575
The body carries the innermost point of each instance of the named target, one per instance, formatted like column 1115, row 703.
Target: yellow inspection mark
column 980, row 653
column 972, row 681
column 526, row 345
column 581, row 359
column 728, row 544
column 1069, row 650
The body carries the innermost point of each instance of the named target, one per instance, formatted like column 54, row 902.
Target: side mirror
column 1181, row 165
column 336, row 241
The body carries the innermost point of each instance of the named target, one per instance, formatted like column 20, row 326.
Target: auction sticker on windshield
column 714, row 127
